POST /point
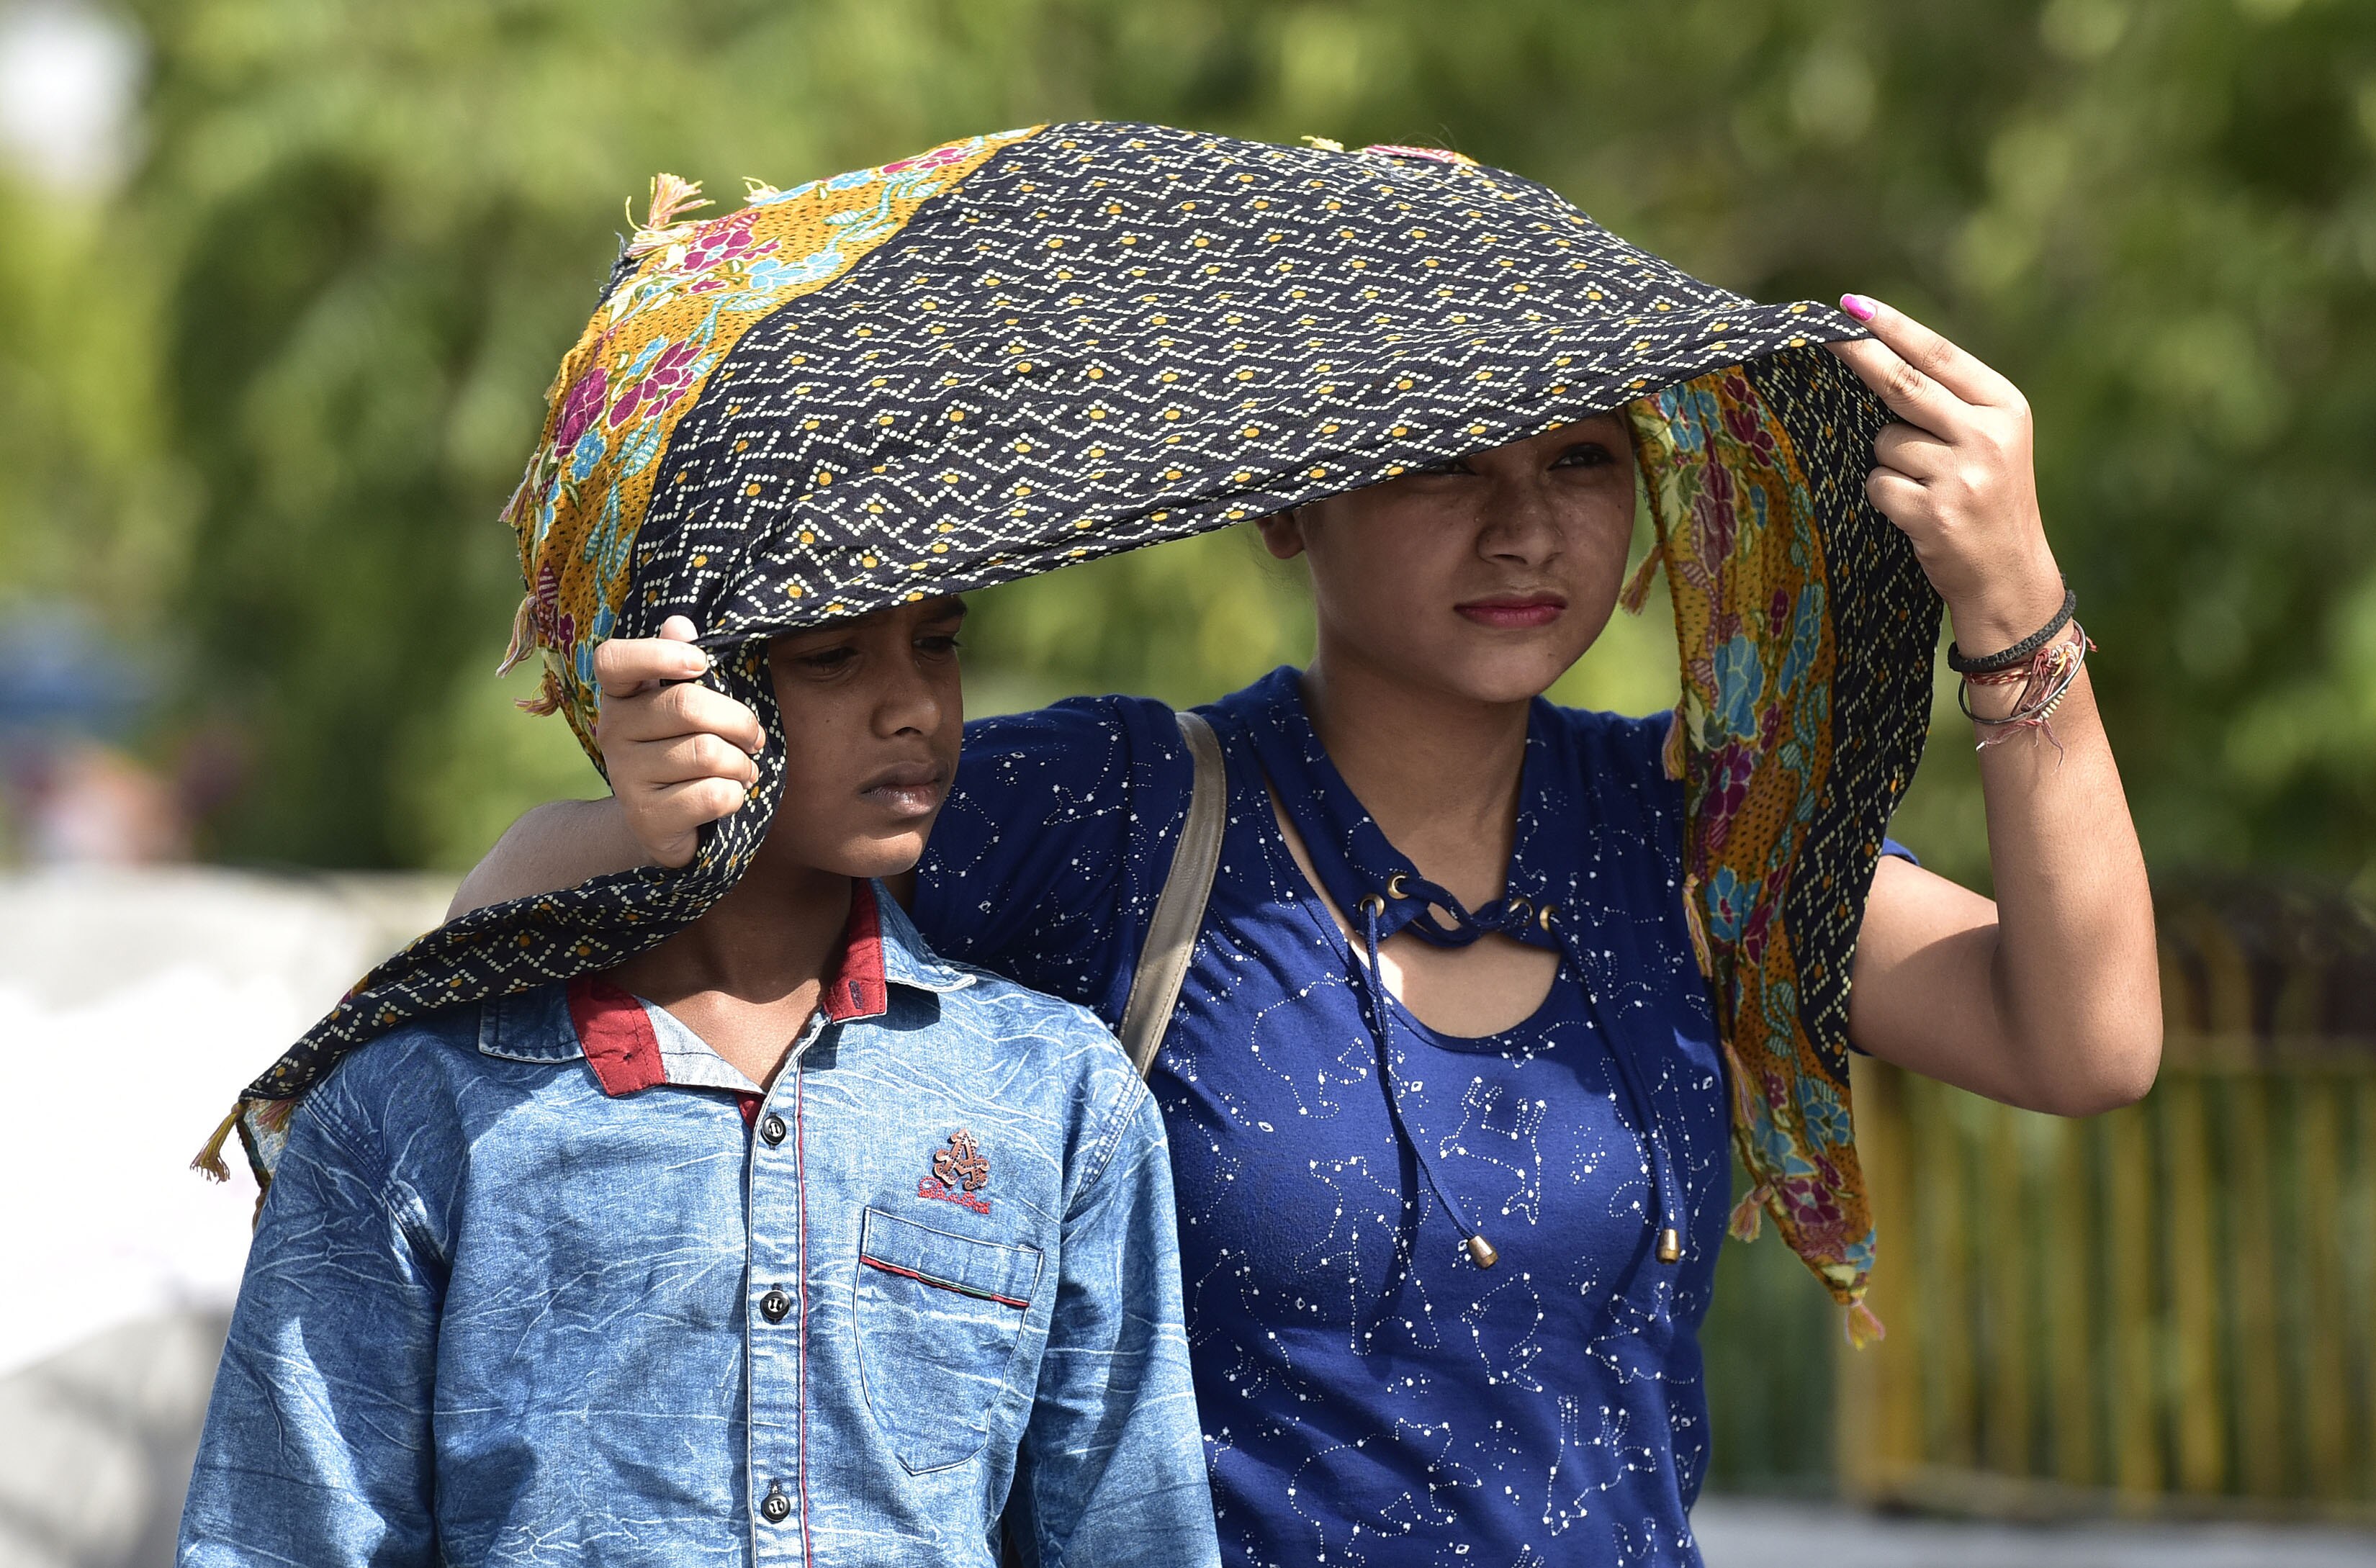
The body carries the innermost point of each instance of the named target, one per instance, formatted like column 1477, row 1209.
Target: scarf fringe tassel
column 1864, row 1330
column 672, row 197
column 1749, row 1214
column 208, row 1161
column 1636, row 592
column 523, row 643
column 549, row 697
column 263, row 1116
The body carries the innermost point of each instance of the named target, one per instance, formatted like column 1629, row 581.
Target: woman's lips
column 1517, row 610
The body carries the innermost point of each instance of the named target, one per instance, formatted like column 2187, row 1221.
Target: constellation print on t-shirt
column 1506, row 1140
column 1370, row 1397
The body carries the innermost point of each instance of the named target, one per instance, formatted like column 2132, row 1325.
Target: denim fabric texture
column 498, row 1311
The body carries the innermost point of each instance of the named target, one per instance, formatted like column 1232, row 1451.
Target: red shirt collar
column 855, row 988
column 616, row 1033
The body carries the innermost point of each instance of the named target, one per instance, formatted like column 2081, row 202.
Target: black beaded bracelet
column 2020, row 650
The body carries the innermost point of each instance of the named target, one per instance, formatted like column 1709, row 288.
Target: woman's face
column 1485, row 577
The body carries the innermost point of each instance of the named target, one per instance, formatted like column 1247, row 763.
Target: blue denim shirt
column 536, row 1281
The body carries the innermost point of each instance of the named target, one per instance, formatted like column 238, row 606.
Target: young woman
column 1445, row 1102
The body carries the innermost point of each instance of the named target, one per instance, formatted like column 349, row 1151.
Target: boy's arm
column 318, row 1446
column 1112, row 1464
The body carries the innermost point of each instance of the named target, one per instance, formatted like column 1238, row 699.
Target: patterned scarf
column 1020, row 351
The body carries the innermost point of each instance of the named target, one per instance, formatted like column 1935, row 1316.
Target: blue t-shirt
column 1369, row 1395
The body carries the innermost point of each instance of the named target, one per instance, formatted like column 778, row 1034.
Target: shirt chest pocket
column 938, row 1317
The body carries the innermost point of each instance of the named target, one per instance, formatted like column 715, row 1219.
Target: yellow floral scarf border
column 693, row 290
column 1753, row 743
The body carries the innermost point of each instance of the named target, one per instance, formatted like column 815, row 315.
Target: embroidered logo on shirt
column 959, row 1170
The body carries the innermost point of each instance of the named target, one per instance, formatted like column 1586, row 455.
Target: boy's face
column 873, row 710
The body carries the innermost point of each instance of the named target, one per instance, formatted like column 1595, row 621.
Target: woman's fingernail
column 1857, row 305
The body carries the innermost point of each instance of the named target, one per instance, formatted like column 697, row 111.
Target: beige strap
column 1180, row 909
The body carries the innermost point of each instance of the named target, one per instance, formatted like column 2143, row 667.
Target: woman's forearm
column 2048, row 997
column 2073, row 974
column 556, row 845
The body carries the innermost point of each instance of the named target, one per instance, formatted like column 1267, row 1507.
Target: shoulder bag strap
column 1180, row 909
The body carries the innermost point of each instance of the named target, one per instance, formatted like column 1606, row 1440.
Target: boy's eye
column 940, row 644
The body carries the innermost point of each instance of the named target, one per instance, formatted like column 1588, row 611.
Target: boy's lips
column 911, row 788
column 1514, row 610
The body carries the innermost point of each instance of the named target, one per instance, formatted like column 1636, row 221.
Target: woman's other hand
column 678, row 753
column 1955, row 476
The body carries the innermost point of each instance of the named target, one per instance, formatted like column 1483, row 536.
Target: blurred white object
column 69, row 81
column 96, row 1445
column 133, row 1005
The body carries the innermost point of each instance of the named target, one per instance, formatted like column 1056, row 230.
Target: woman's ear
column 1282, row 533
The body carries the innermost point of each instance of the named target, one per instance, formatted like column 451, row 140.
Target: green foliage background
column 259, row 406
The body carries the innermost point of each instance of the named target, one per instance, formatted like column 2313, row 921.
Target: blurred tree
column 281, row 389
column 87, row 510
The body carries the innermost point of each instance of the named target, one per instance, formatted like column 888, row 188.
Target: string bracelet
column 2046, row 677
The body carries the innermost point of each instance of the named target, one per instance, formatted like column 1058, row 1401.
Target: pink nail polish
column 1857, row 305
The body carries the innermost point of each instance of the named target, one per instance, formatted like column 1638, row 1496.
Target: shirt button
column 773, row 1128
column 774, row 1507
column 774, row 1304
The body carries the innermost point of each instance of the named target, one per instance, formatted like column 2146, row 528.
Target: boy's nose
column 912, row 700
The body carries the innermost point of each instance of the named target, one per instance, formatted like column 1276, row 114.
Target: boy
column 783, row 1241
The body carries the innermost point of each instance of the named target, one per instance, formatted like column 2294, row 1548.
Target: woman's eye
column 827, row 660
column 940, row 646
column 1591, row 456
column 1449, row 466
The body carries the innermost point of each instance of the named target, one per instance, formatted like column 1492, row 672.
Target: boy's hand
column 679, row 755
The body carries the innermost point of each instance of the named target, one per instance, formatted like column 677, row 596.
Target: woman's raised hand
column 1956, row 477
column 678, row 753
column 2049, row 996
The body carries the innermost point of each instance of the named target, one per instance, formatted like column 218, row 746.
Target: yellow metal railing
column 2169, row 1308
column 2173, row 1303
